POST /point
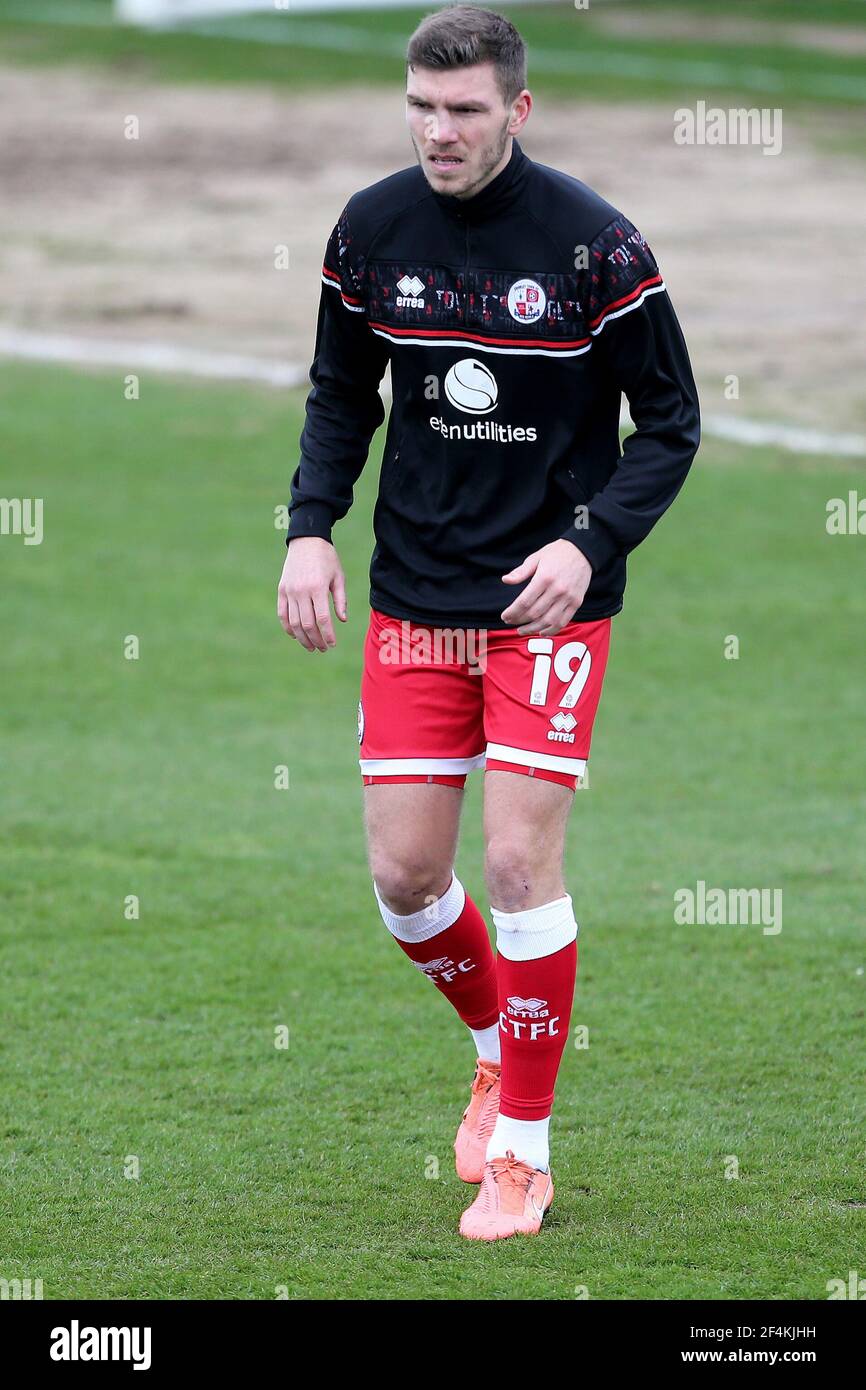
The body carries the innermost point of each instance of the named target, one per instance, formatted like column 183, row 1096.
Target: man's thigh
column 412, row 831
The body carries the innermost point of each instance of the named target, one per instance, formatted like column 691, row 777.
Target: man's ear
column 520, row 111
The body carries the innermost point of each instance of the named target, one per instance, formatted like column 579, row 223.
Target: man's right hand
column 312, row 571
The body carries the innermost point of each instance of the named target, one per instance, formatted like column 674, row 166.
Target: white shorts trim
column 503, row 754
column 401, row 767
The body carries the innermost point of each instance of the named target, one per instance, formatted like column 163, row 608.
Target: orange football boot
column 479, row 1119
column 512, row 1201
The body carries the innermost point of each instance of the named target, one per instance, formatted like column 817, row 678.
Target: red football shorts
column 438, row 702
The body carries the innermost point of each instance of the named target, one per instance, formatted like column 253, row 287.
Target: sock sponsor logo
column 527, row 1008
column 532, row 1009
column 444, row 970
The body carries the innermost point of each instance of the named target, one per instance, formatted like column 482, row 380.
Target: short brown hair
column 462, row 35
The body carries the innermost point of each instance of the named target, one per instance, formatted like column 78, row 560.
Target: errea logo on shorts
column 562, row 727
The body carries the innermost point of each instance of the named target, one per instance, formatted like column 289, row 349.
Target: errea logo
column 411, row 292
column 444, row 969
column 430, row 967
column 527, row 1008
column 562, row 727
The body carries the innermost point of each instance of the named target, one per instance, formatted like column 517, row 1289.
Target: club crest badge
column 526, row 301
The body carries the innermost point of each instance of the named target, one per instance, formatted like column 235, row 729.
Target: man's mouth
column 445, row 161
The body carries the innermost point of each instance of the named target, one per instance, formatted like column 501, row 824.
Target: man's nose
column 445, row 131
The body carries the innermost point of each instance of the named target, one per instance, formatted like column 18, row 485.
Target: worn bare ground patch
column 172, row 236
column 674, row 24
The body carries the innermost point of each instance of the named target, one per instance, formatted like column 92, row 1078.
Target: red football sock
column 458, row 958
column 535, row 999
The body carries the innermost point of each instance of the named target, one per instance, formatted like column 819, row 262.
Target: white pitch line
column 158, row 357
column 224, row 366
column 790, row 437
column 795, row 439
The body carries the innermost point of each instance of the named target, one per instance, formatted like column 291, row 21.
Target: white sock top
column 535, row 932
column 437, row 916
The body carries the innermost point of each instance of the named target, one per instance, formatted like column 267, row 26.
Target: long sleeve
column 343, row 409
column 642, row 349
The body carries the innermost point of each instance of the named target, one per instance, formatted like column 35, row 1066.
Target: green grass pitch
column 325, row 1168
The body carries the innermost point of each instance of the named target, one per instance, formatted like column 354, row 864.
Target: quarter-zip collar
column 495, row 196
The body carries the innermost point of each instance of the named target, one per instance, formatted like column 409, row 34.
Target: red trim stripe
column 443, row 780
column 334, row 279
column 626, row 299
column 544, row 774
column 526, row 343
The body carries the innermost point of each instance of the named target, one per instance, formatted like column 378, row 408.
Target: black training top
column 513, row 321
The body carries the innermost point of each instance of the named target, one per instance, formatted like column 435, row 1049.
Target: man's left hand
column 559, row 577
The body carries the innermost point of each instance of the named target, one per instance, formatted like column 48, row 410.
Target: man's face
column 460, row 125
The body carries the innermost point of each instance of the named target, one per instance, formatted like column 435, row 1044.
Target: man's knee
column 408, row 882
column 512, row 872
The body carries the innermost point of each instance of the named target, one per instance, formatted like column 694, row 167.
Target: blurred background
column 182, row 867
column 253, row 128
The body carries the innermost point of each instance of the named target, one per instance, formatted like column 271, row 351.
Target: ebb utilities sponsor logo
column 471, row 387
